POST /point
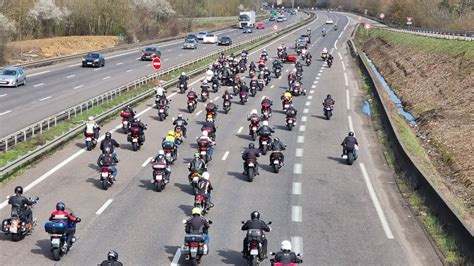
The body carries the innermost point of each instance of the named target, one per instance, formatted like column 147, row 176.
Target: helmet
column 211, row 101
column 112, row 255
column 197, row 155
column 329, row 96
column 255, row 215
column 60, row 206
column 19, row 190
column 251, row 146
column 266, row 68
column 226, row 92
column 204, row 133
column 196, row 211
column 161, row 152
column 192, row 89
column 171, row 133
column 276, row 139
column 264, row 50
column 205, row 175
column 180, row 115
column 204, row 81
column 253, row 112
column 286, row 245
column 183, row 74
column 265, row 123
column 264, row 98
column 294, row 69
column 108, row 135
column 351, row 134
column 244, row 83
column 91, row 118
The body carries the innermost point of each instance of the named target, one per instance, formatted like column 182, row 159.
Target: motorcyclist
column 108, row 145
column 20, row 205
column 324, row 31
column 92, row 127
column 209, row 123
column 160, row 158
column 277, row 64
column 266, row 102
column 161, row 94
column 292, row 76
column 107, row 160
column 299, row 67
column 329, row 101
column 170, row 142
column 250, row 154
column 256, row 223
column 180, row 122
column 128, row 113
column 265, row 129
column 330, row 58
column 264, row 53
column 196, row 165
column 277, row 146
column 183, row 79
column 254, row 82
column 141, row 127
column 285, row 255
column 215, row 80
column 198, row 225
column 205, row 87
column 324, row 53
column 266, row 75
column 291, row 112
column 112, row 259
column 287, row 95
column 211, row 107
column 192, row 95
column 62, row 214
column 206, row 140
column 349, row 143
column 227, row 96
column 209, row 74
column 252, row 66
column 254, row 119
column 244, row 88
column 205, row 188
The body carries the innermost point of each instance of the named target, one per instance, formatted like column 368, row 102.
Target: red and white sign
column 367, row 26
column 275, row 27
column 409, row 20
column 156, row 63
column 382, row 15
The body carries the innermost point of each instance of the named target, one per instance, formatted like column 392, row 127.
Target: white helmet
column 286, row 245
column 161, row 152
column 205, row 175
column 204, row 133
column 254, row 112
column 264, row 50
column 211, row 101
column 183, row 74
column 294, row 69
column 91, row 118
column 265, row 123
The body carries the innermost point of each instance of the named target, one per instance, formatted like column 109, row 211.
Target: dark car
column 192, row 36
column 93, row 60
column 150, row 52
column 225, row 40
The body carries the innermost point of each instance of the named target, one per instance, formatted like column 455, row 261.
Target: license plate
column 13, row 229
column 88, row 139
column 226, row 103
column 125, row 123
column 104, row 174
column 328, row 108
column 134, row 140
column 195, row 179
column 55, row 241
column 251, row 165
column 276, row 162
column 190, row 104
column 203, row 152
column 161, row 110
column 254, row 252
column 264, row 143
column 290, row 121
column 159, row 177
column 147, row 56
column 254, row 128
column 286, row 106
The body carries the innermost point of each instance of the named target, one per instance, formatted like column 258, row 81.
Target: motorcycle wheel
column 254, row 261
column 182, row 90
column 159, row 186
column 190, row 109
column 56, row 254
column 290, row 127
column 16, row 237
column 203, row 99
column 254, row 136
column 89, row 145
column 264, row 150
column 276, row 168
column 135, row 146
column 250, row 174
column 194, row 262
column 350, row 158
column 242, row 101
column 104, row 184
column 226, row 110
column 125, row 130
column 162, row 117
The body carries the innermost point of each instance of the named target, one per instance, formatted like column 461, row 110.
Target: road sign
column 275, row 27
column 409, row 22
column 156, row 63
column 367, row 26
column 382, row 15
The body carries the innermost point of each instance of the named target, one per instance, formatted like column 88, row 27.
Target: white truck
column 247, row 19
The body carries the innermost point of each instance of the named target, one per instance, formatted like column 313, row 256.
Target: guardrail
column 39, row 127
column 438, row 204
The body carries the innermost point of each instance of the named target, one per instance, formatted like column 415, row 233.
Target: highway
column 333, row 213
column 52, row 89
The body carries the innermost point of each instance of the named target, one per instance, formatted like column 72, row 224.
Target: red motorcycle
column 253, row 128
column 134, row 138
column 243, row 97
column 266, row 111
column 191, row 105
column 264, row 141
column 106, row 178
column 200, row 202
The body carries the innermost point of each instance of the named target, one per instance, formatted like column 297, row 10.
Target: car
column 301, row 43
column 272, row 18
column 285, row 18
column 280, row 19
column 248, row 30
column 293, row 12
column 150, row 52
column 93, row 60
column 190, row 44
column 210, row 38
column 225, row 40
column 12, row 76
column 329, row 21
column 192, row 36
column 306, row 37
column 260, row 26
column 201, row 35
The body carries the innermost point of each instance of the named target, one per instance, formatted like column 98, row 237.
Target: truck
column 247, row 19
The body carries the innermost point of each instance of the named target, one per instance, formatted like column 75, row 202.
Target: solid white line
column 37, row 85
column 147, row 161
column 343, row 66
column 240, row 130
column 335, row 44
column 77, row 87
column 45, row 98
column 348, row 100
column 304, row 118
column 70, row 76
column 310, row 97
column 39, row 73
column 307, row 103
column 198, row 113
column 217, row 97
column 4, row 113
column 130, row 70
column 351, row 126
column 296, row 188
column 376, row 202
column 345, row 27
column 102, row 209
column 302, row 128
column 296, row 213
column 298, row 168
column 180, row 55
column 297, row 244
column 3, row 95
column 340, row 56
column 107, row 77
column 176, row 258
column 166, row 59
column 305, row 111
column 225, row 155
column 299, row 152
column 345, row 79
column 271, row 87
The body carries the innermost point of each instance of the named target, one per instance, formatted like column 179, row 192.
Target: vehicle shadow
column 95, row 182
column 281, row 127
column 266, row 167
column 186, row 209
column 279, row 111
column 200, row 122
column 44, row 248
column 81, row 145
column 232, row 257
column 245, row 136
column 238, row 175
column 337, row 159
column 319, row 116
column 171, row 250
column 184, row 110
column 94, row 167
column 185, row 188
column 146, row 184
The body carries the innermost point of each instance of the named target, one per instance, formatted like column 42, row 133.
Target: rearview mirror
column 270, row 222
column 243, row 222
column 210, row 222
column 272, row 253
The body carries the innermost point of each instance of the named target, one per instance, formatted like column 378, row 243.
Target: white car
column 329, row 21
column 201, row 35
column 210, row 38
column 285, row 18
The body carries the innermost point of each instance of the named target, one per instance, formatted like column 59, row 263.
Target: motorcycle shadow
column 279, row 111
column 320, row 117
column 232, row 257
column 281, row 127
column 185, row 188
column 238, row 175
column 171, row 251
column 200, row 122
column 337, row 159
column 146, row 184
column 186, row 209
column 81, row 145
column 95, row 182
column 94, row 167
column 183, row 110
column 44, row 248
column 245, row 136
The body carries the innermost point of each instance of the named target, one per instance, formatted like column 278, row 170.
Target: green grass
column 425, row 44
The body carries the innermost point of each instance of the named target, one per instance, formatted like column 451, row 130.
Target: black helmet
column 108, row 135
column 255, row 215
column 19, row 190
column 112, row 255
column 351, row 133
column 60, row 206
column 329, row 96
column 251, row 146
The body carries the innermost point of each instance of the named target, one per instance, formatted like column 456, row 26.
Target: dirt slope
column 437, row 87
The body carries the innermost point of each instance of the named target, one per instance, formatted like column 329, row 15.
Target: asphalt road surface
column 52, row 89
column 333, row 213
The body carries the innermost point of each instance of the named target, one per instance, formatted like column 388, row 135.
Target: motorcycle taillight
column 194, row 244
column 254, row 244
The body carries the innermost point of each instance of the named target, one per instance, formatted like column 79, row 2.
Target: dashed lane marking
column 225, row 155
column 128, row 71
column 4, row 113
column 45, row 98
column 198, row 113
column 38, row 85
column 304, row 118
column 40, row 73
column 343, row 66
column 147, row 161
column 296, row 188
column 345, row 79
column 298, row 169
column 240, row 130
column 176, row 257
column 340, row 56
column 297, row 214
column 70, row 76
column 78, row 87
column 107, row 77
column 351, row 126
column 297, row 244
column 102, row 209
column 299, row 152
column 305, row 111
column 119, row 63
column 310, row 97
column 3, row 95
column 308, row 103
column 302, row 128
column 348, row 100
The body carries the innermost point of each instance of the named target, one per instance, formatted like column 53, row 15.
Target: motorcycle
column 266, row 111
column 226, row 106
column 265, row 141
column 308, row 61
column 126, row 117
column 58, row 233
column 106, row 178
column 351, row 156
column 261, row 84
column 134, row 138
column 91, row 142
column 194, row 180
column 251, row 73
column 160, row 176
column 191, row 105
column 286, row 103
column 200, row 202
column 170, row 153
column 329, row 63
column 15, row 225
column 182, row 87
column 204, row 96
column 290, row 123
column 243, row 97
column 162, row 112
column 194, row 247
column 324, row 56
column 253, row 128
column 328, row 111
column 251, row 170
column 178, row 135
column 254, row 247
column 275, row 263
column 215, row 87
column 203, row 152
column 253, row 91
column 276, row 161
column 277, row 72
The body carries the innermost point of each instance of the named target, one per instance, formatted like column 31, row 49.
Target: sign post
column 156, row 63
column 367, row 27
column 409, row 21
column 382, row 16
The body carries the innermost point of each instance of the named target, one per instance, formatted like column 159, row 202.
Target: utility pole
column 292, row 4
